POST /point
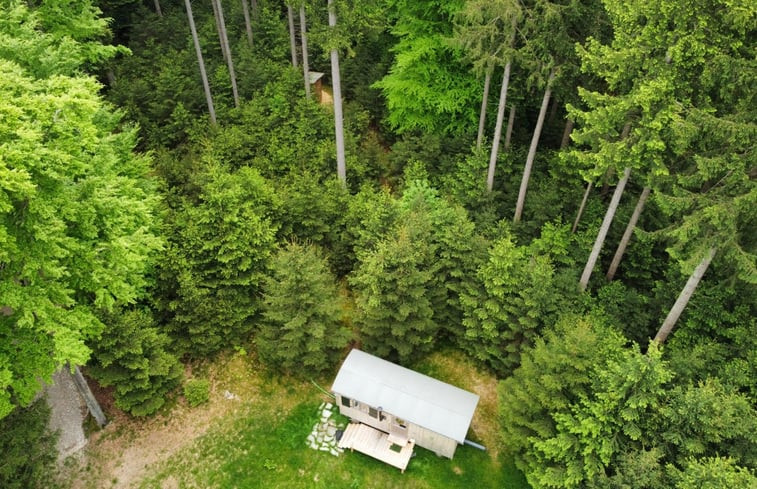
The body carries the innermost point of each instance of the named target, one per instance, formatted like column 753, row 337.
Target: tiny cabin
column 401, row 407
column 315, row 78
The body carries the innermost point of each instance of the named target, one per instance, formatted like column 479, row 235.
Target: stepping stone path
column 322, row 437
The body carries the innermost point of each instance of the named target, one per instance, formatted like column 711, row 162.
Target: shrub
column 197, row 391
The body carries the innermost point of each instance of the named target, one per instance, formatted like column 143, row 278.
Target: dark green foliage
column 302, row 331
column 131, row 355
column 509, row 304
column 395, row 288
column 197, row 391
column 217, row 258
column 417, row 257
column 28, row 449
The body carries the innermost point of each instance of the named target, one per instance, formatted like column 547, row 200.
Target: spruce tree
column 302, row 330
column 132, row 357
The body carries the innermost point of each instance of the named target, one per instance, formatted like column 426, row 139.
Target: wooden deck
column 376, row 444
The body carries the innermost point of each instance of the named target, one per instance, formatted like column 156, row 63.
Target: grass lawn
column 263, row 445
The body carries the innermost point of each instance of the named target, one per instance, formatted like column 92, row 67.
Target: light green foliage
column 554, row 375
column 302, row 331
column 76, row 209
column 710, row 418
column 713, row 473
column 197, row 391
column 219, row 250
column 131, row 356
column 588, row 437
column 485, row 29
column 507, row 307
column 428, row 88
column 28, row 449
column 56, row 38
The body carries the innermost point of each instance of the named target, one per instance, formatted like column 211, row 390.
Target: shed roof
column 314, row 76
column 417, row 398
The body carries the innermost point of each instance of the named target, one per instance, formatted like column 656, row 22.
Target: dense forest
column 562, row 190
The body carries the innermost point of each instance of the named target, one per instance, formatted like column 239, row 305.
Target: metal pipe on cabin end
column 474, row 444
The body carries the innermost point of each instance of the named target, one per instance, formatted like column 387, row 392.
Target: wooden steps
column 376, row 444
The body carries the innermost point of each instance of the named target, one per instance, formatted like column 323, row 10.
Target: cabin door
column 398, row 431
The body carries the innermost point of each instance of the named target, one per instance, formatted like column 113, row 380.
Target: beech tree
column 77, row 210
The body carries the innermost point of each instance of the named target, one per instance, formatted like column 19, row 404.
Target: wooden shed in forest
column 393, row 408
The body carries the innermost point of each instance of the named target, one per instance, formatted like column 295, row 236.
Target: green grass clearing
column 263, row 446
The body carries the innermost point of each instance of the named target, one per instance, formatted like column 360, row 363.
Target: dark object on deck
column 338, row 434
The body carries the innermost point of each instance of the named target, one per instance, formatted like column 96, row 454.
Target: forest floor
column 252, row 433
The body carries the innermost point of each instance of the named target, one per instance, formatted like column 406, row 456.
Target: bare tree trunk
column 683, row 298
column 566, row 133
column 484, row 103
column 532, row 149
column 226, row 49
column 292, row 40
column 304, row 39
column 203, row 75
column 247, row 24
column 341, row 168
column 111, row 77
column 157, row 8
column 498, row 128
column 89, row 398
column 218, row 29
column 553, row 110
column 510, row 123
column 628, row 233
column 603, row 230
column 583, row 206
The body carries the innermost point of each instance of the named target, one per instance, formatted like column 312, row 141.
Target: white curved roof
column 417, row 398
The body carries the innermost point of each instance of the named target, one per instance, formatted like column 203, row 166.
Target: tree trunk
column 484, row 103
column 85, row 392
column 203, row 75
column 532, row 149
column 566, row 133
column 611, row 171
column 292, row 39
column 683, row 298
column 227, row 50
column 255, row 10
column 510, row 123
column 498, row 128
column 553, row 110
column 157, row 8
column 247, row 24
column 603, row 230
column 628, row 233
column 341, row 169
column 218, row 29
column 304, row 39
column 111, row 77
column 583, row 206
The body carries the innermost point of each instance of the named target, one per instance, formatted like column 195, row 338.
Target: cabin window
column 346, row 402
column 373, row 412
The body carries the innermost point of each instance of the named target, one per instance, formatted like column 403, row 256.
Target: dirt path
column 120, row 455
